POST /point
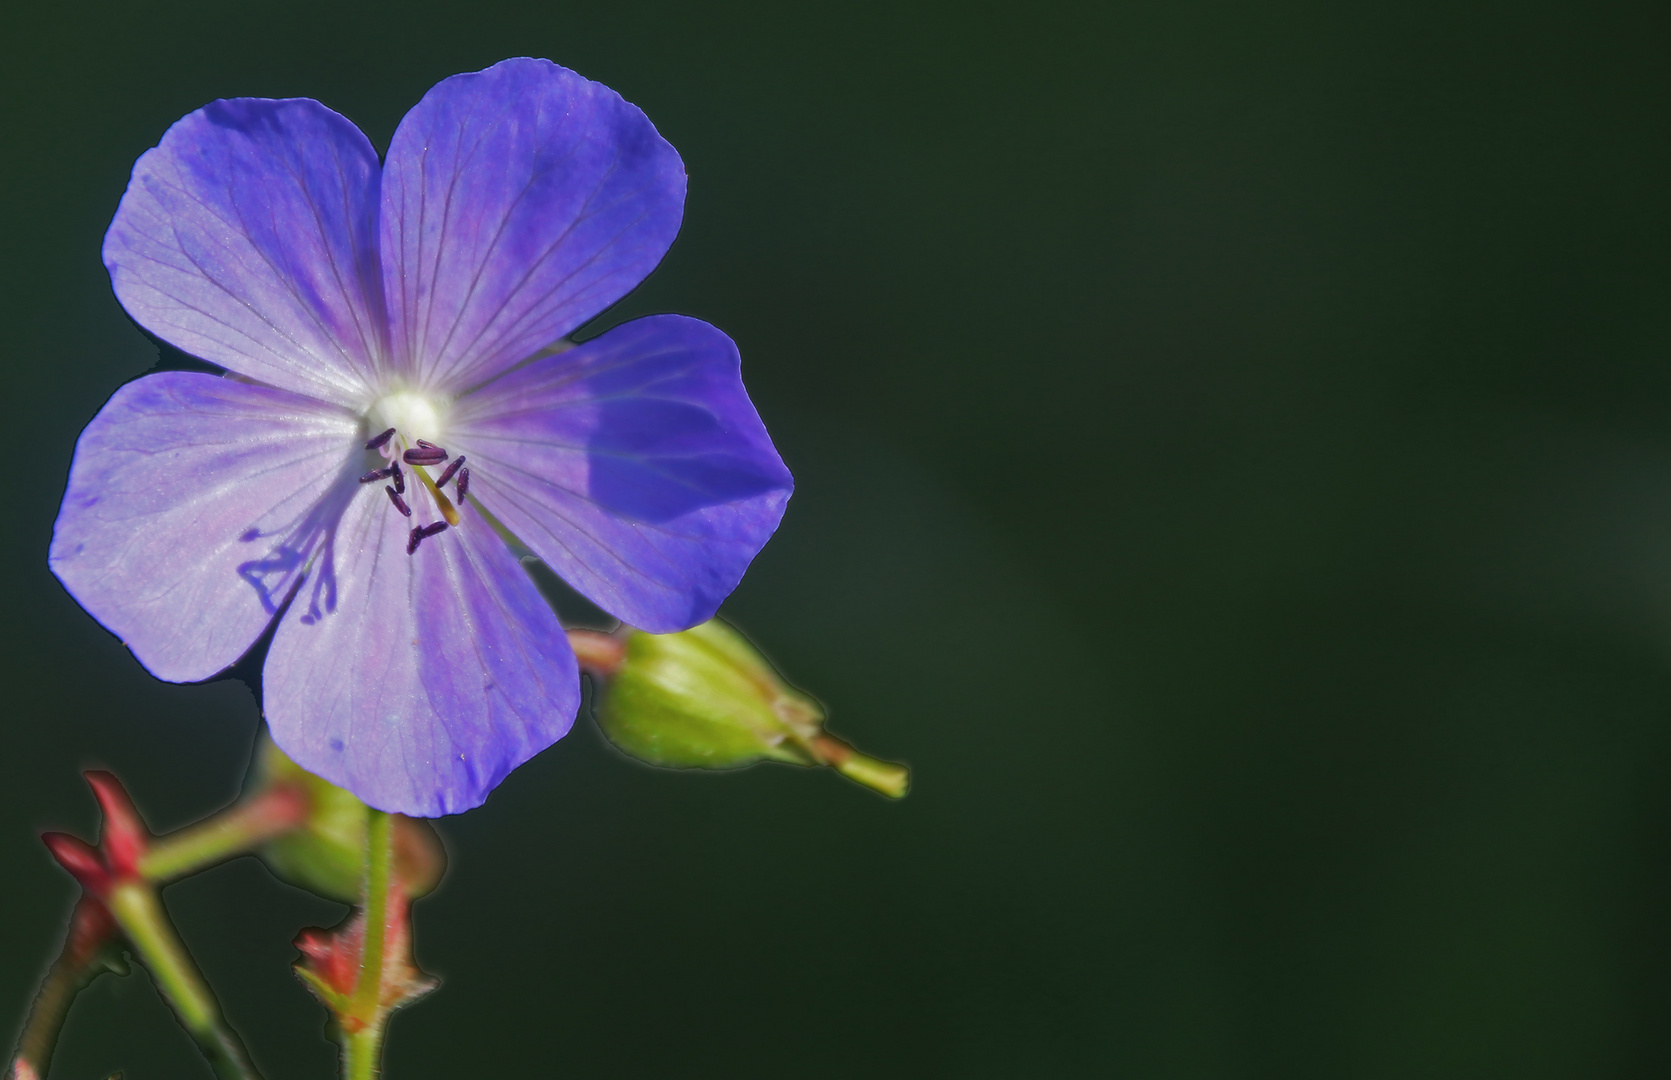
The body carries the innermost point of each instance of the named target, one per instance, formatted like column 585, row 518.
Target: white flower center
column 409, row 441
column 413, row 415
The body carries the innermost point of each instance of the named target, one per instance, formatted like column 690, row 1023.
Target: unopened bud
column 123, row 839
column 327, row 853
column 705, row 698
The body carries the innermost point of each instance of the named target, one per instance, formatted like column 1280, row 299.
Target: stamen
column 424, row 455
column 377, row 474
column 381, row 439
column 417, row 535
column 463, row 484
column 400, row 478
column 400, row 503
column 426, row 443
column 448, row 475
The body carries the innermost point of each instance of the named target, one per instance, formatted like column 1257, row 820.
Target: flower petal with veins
column 248, row 237
column 194, row 501
column 432, row 677
column 518, row 202
column 635, row 465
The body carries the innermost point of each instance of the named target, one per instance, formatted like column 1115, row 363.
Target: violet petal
column 193, row 503
column 434, row 676
column 518, row 202
column 634, row 464
column 248, row 237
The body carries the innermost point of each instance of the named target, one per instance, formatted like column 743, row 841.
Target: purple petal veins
column 634, row 465
column 515, row 205
column 394, row 695
column 248, row 237
column 518, row 202
column 194, row 502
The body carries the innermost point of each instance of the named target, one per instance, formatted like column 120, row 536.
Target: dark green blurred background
column 1234, row 461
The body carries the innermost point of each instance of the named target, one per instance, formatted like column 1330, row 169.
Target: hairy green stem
column 139, row 912
column 362, row 1051
column 362, row 1044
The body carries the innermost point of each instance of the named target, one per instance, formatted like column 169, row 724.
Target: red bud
column 125, row 836
column 81, row 859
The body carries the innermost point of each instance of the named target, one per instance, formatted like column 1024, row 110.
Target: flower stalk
column 363, row 1047
column 139, row 912
column 90, row 950
column 362, row 971
column 112, row 878
column 887, row 777
column 237, row 829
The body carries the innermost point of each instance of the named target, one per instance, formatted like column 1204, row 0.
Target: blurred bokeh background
column 1234, row 469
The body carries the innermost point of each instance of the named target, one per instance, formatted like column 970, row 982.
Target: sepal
column 331, row 961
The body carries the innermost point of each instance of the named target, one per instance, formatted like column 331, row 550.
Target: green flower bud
column 326, row 854
column 706, row 699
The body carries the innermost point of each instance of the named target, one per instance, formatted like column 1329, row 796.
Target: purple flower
column 414, row 662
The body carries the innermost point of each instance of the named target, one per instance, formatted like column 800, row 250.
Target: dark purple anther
column 400, row 478
column 424, row 455
column 427, row 444
column 376, row 474
column 463, row 484
column 422, row 531
column 381, row 439
column 400, row 503
column 448, row 475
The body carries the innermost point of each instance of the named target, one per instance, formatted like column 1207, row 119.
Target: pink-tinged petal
column 422, row 679
column 193, row 503
column 248, row 237
column 635, row 465
column 518, row 202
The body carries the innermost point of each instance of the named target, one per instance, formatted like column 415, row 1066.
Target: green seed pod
column 705, row 698
column 327, row 853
